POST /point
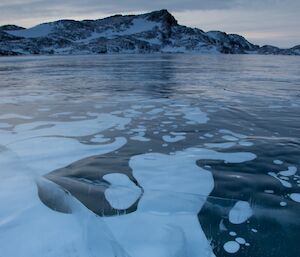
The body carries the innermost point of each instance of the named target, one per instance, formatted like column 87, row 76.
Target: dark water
column 257, row 97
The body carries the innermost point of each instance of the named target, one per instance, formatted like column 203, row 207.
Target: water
column 160, row 155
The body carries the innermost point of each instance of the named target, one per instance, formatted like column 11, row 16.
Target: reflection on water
column 201, row 151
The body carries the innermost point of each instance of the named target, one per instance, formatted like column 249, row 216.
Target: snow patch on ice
column 278, row 162
column 230, row 138
column 283, row 182
column 295, row 197
column 122, row 193
column 240, row 212
column 240, row 240
column 173, row 139
column 194, row 114
column 238, row 135
column 220, row 145
column 231, row 247
column 289, row 172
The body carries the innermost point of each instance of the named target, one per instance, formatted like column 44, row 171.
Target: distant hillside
column 155, row 32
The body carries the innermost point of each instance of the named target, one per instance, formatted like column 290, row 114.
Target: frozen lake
column 150, row 156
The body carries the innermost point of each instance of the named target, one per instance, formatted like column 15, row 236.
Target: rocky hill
column 155, row 32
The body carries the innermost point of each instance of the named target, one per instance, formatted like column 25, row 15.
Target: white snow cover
column 240, row 212
column 138, row 25
column 41, row 30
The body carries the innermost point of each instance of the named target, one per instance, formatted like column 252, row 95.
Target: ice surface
column 173, row 187
column 240, row 212
column 51, row 233
column 45, row 154
column 63, row 129
column 34, row 149
column 174, row 191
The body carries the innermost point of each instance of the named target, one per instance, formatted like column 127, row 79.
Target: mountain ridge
column 154, row 32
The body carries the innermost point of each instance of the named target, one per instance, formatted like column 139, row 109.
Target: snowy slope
column 42, row 30
column 157, row 31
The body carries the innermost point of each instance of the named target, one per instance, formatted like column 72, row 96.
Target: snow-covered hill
column 153, row 32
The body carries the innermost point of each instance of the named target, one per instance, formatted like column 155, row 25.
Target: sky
column 275, row 22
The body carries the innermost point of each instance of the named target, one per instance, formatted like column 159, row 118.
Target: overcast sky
column 274, row 22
